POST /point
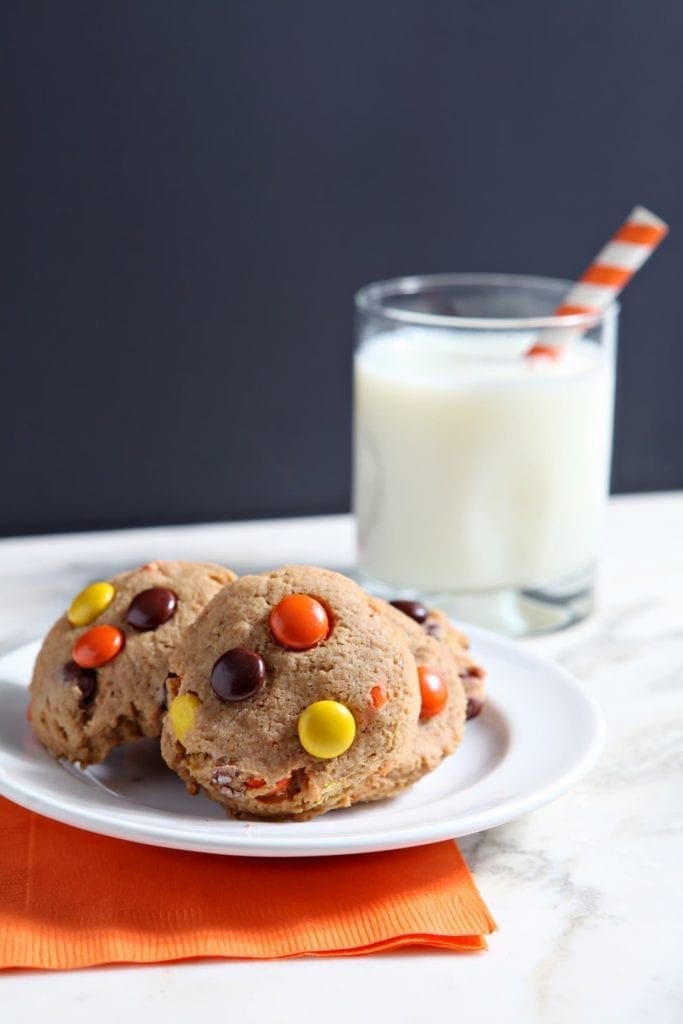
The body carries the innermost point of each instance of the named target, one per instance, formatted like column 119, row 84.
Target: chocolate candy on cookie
column 413, row 609
column 151, row 608
column 99, row 679
column 238, row 674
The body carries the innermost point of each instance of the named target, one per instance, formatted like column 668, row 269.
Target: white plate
column 539, row 733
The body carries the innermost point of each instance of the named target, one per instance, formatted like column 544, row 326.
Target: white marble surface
column 586, row 891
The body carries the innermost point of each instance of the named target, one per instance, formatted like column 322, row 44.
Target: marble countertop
column 586, row 891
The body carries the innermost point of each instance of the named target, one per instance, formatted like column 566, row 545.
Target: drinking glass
column 481, row 473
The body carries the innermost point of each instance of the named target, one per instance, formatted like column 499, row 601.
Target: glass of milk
column 480, row 474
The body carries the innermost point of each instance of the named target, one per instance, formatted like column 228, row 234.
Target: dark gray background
column 194, row 190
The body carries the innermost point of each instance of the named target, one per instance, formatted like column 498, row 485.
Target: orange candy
column 299, row 622
column 277, row 793
column 433, row 691
column 97, row 646
column 379, row 696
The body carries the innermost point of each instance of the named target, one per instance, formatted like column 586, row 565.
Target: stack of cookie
column 280, row 695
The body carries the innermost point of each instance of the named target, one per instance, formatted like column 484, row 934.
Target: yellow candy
column 90, row 603
column 326, row 729
column 182, row 712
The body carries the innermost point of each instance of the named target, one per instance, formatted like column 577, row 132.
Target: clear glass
column 480, row 474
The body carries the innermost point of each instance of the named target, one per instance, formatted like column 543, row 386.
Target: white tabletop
column 586, row 891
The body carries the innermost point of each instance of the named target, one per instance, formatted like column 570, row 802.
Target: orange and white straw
column 608, row 274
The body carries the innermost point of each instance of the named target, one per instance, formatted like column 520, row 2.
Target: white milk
column 475, row 473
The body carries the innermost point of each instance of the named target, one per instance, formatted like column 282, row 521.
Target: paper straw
column 607, row 275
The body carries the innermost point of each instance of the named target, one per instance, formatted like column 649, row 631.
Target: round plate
column 539, row 733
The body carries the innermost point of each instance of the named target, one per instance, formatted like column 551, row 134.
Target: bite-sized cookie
column 99, row 679
column 292, row 691
column 436, row 624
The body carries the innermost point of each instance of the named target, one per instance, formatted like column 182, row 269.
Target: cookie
column 440, row 725
column 437, row 625
column 99, row 679
column 293, row 691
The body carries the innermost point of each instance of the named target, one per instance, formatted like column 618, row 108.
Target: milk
column 476, row 468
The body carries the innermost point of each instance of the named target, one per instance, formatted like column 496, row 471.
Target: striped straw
column 608, row 274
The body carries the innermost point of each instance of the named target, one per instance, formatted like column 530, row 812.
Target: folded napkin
column 70, row 898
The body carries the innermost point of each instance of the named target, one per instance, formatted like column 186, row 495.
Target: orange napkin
column 69, row 898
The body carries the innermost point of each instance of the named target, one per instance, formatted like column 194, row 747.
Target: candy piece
column 90, row 603
column 277, row 793
column 326, row 729
column 379, row 696
column 413, row 609
column 254, row 782
column 226, row 777
column 474, row 707
column 151, row 608
column 299, row 622
column 98, row 646
column 84, row 678
column 435, row 628
column 433, row 691
column 182, row 712
column 238, row 674
column 473, row 672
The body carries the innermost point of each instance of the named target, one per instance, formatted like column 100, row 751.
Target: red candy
column 299, row 622
column 433, row 691
column 97, row 646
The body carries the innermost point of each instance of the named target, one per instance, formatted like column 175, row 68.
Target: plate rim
column 62, row 808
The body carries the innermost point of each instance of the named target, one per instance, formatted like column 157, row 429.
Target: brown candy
column 151, row 608
column 474, row 706
column 434, row 628
column 84, row 678
column 238, row 674
column 413, row 609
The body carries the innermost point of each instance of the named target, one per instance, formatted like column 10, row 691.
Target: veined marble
column 586, row 891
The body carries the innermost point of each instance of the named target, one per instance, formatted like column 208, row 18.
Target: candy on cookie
column 326, row 729
column 90, row 603
column 299, row 622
